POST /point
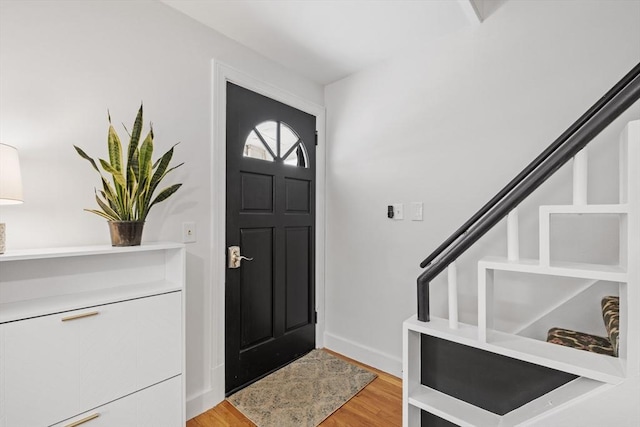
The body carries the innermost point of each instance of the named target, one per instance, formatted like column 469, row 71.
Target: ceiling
column 327, row 40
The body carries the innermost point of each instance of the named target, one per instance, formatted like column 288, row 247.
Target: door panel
column 297, row 279
column 256, row 282
column 297, row 195
column 270, row 214
column 257, row 192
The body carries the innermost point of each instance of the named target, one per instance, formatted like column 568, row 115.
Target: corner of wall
column 203, row 401
column 367, row 355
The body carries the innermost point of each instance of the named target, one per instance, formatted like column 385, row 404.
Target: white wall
column 449, row 126
column 62, row 64
column 420, row 128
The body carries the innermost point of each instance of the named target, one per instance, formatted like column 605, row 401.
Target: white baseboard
column 205, row 400
column 367, row 355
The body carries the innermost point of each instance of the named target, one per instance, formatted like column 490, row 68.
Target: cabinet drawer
column 157, row 406
column 54, row 367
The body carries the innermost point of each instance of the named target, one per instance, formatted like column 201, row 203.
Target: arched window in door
column 276, row 141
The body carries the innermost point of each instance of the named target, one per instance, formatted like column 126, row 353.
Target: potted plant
column 126, row 199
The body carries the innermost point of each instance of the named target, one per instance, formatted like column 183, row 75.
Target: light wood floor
column 378, row 404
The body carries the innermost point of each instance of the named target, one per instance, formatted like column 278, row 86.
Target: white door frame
column 222, row 74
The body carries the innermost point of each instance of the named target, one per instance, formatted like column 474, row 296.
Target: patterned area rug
column 302, row 393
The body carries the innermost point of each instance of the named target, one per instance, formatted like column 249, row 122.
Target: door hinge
column 316, row 137
column 315, row 317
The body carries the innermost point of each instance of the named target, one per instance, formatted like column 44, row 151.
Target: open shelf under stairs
column 594, row 366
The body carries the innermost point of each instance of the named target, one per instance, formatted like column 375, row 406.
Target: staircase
column 577, row 381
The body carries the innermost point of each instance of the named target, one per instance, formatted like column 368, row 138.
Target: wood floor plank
column 378, row 404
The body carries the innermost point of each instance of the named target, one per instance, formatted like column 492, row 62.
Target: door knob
column 235, row 258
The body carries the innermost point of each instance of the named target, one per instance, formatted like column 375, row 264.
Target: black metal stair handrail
column 624, row 94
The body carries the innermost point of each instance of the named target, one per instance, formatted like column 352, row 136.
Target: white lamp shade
column 10, row 179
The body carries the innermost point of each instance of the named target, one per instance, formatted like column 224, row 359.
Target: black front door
column 270, row 209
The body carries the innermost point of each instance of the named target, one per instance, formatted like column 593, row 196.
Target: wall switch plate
column 398, row 211
column 188, row 232
column 416, row 211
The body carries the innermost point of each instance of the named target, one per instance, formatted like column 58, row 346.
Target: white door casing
column 221, row 74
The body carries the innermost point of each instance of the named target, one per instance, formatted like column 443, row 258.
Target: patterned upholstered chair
column 593, row 343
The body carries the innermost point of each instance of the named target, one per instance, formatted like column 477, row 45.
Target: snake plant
column 130, row 194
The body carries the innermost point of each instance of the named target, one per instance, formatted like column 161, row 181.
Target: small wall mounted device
column 395, row 211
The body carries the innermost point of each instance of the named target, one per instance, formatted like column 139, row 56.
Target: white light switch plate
column 416, row 211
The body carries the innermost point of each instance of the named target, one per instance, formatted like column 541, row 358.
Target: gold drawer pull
column 80, row 316
column 84, row 420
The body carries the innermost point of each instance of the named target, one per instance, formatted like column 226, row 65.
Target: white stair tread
column 552, row 401
column 466, row 414
column 578, row 362
column 451, row 409
column 585, row 209
column 613, row 273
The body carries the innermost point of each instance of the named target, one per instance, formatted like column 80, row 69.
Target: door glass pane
column 288, row 139
column 254, row 148
column 298, row 157
column 269, row 132
column 266, row 143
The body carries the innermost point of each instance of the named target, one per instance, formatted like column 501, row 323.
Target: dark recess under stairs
column 490, row 381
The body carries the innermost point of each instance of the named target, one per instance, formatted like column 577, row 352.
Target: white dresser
column 93, row 336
